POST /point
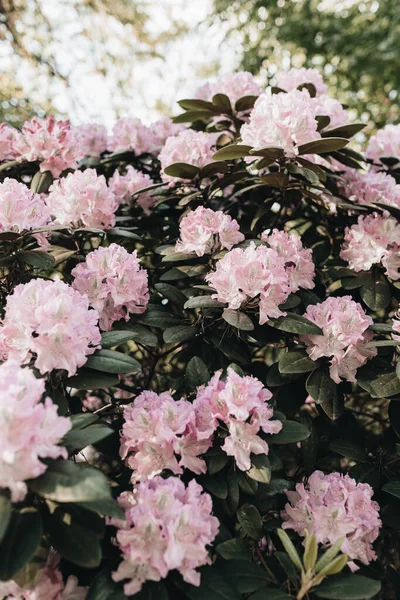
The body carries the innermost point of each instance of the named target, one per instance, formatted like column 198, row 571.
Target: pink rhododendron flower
column 21, row 209
column 49, row 586
column 200, row 227
column 344, row 325
column 51, row 320
column 163, row 129
column 374, row 240
column 91, row 139
column 332, row 108
column 265, row 275
column 369, row 187
column 49, row 141
column 125, row 185
column 130, row 134
column 192, row 147
column 233, row 85
column 281, row 120
column 396, row 327
column 334, row 506
column 296, row 77
column 385, row 143
column 167, row 526
column 83, row 199
column 114, row 283
column 7, row 136
column 242, row 404
column 156, row 430
column 29, row 429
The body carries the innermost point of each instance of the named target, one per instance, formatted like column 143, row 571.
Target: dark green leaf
column 246, row 577
column 77, row 439
column 182, row 170
column 159, row 318
column 20, row 542
column 392, row 488
column 349, row 449
column 197, row 104
column 110, row 339
column 245, row 103
column 385, row 386
column 5, row 511
column 36, row 258
column 324, row 391
column 232, row 151
column 214, row 586
column 203, row 302
column 171, row 292
column 273, row 594
column 153, row 590
column 191, row 116
column 106, row 507
column 213, row 169
column 216, row 485
column 376, row 292
column 111, row 361
column 196, row 373
column 260, row 468
column 348, row 587
column 88, row 379
column 323, row 146
column 293, row 323
column 269, row 152
column 275, row 179
column 222, row 102
column 75, row 543
column 237, row 319
column 250, row 521
column 180, row 333
column 295, row 362
column 344, row 131
column 394, row 416
column 291, row 432
column 104, row 588
column 234, row 549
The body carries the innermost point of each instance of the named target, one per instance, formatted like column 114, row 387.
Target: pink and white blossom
column 163, row 129
column 344, row 326
column 130, row 134
column 29, row 429
column 233, row 85
column 123, row 186
column 368, row 187
column 50, row 322
column 296, row 77
column 192, row 147
column 7, row 136
column 334, row 506
column 385, row 143
column 91, row 140
column 114, row 283
column 199, row 230
column 167, row 526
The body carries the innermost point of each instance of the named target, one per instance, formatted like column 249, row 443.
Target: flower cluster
column 264, row 275
column 241, row 404
column 123, row 186
column 334, row 506
column 49, row 585
column 51, row 320
column 167, row 526
column 156, row 429
column 21, row 209
column 130, row 134
column 91, row 139
column 368, row 187
column 373, row 240
column 82, row 199
column 163, row 129
column 344, row 325
column 114, row 283
column 385, row 143
column 233, row 85
column 191, row 147
column 29, row 429
column 282, row 120
column 7, row 135
column 295, row 78
column 50, row 142
column 199, row 227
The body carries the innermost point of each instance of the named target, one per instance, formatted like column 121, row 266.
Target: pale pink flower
column 396, row 327
column 52, row 321
column 385, row 143
column 130, row 134
column 243, row 441
column 296, row 77
column 375, row 239
column 7, row 136
column 82, row 199
column 368, row 187
column 233, row 85
column 199, row 228
column 163, row 129
column 29, row 428
column 91, row 139
column 114, row 283
column 282, row 120
column 332, row 108
column 49, row 586
column 125, row 185
column 50, row 142
column 21, row 209
column 344, row 325
column 332, row 506
column 167, row 527
column 192, row 147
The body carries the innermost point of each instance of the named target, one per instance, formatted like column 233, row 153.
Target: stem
column 264, row 564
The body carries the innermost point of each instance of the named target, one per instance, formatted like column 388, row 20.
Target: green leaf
column 110, row 339
column 182, row 170
column 158, row 318
column 191, row 116
column 329, row 555
column 196, row 373
column 214, row 585
column 217, row 463
column 323, row 146
column 295, row 361
column 171, row 292
column 260, row 468
column 213, row 169
column 385, row 386
column 36, row 258
column 104, row 588
column 20, row 542
column 41, row 181
column 293, row 323
column 290, row 549
column 222, row 102
column 5, row 512
column 143, row 335
column 216, row 485
column 392, row 488
column 269, row 152
column 75, row 543
column 291, row 432
column 245, row 103
column 107, row 507
column 344, row 131
column 273, row 594
column 232, row 349
column 178, row 334
column 111, row 361
column 231, row 152
column 348, row 587
column 324, row 391
column 152, row 590
column 275, row 179
column 88, row 379
column 246, row 577
column 65, row 481
column 237, row 319
column 349, row 449
column 203, row 302
column 197, row 104
column 77, row 439
column 376, row 292
column 234, row 549
column 250, row 520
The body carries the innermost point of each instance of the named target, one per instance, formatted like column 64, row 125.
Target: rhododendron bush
column 199, row 376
